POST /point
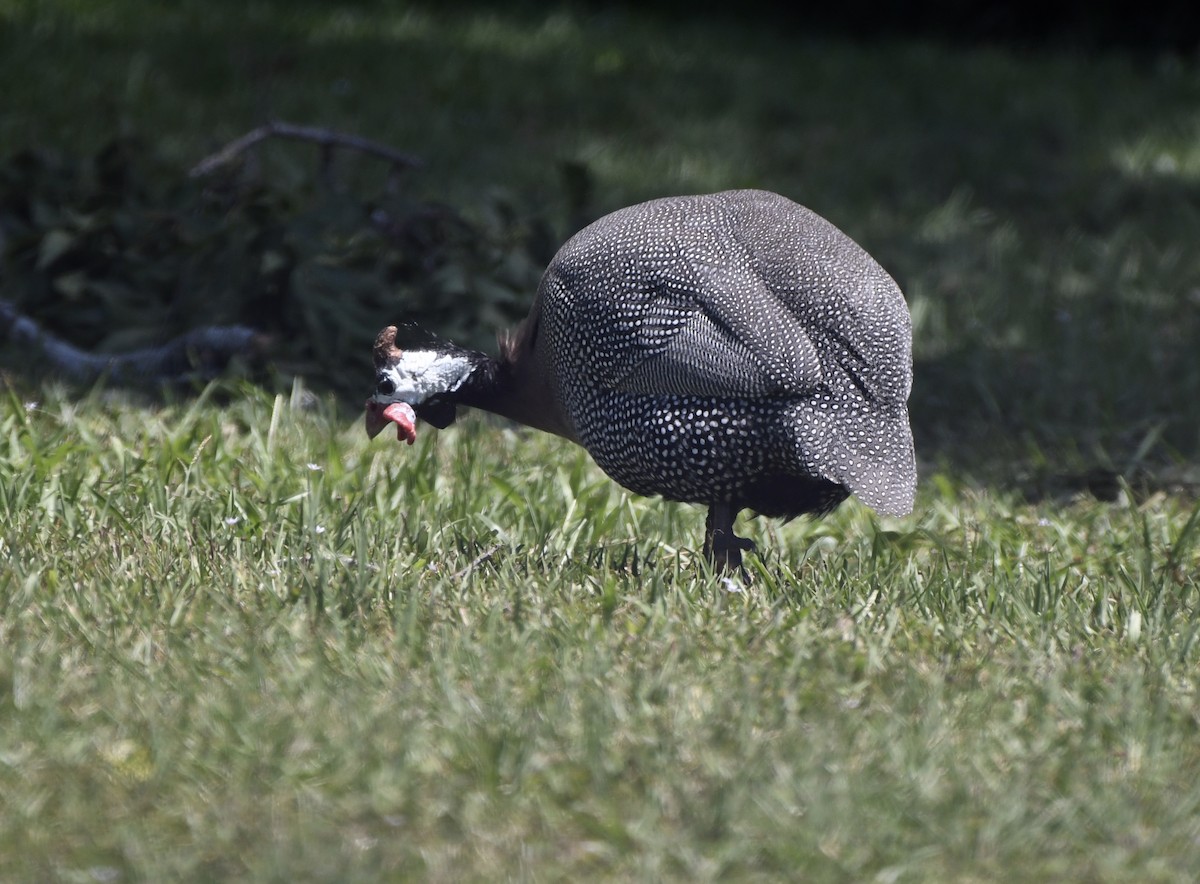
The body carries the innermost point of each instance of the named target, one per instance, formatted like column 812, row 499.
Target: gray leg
column 721, row 546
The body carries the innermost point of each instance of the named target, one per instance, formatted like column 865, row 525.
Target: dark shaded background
column 1029, row 366
column 1077, row 24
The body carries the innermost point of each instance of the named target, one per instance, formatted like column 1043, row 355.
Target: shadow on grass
column 1039, row 207
column 1065, row 358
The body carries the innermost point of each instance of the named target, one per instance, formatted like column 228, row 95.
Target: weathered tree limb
column 326, row 138
column 200, row 353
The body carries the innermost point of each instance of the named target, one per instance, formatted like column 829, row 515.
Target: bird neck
column 514, row 390
column 488, row 384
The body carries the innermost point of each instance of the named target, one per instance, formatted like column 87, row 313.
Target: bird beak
column 374, row 418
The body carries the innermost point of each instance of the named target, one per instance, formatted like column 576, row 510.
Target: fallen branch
column 326, row 138
column 202, row 352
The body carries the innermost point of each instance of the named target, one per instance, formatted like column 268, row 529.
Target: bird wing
column 742, row 294
column 713, row 329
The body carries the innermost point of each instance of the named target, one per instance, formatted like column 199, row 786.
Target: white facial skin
column 419, row 374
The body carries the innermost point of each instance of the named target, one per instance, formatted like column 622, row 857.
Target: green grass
column 239, row 642
column 242, row 641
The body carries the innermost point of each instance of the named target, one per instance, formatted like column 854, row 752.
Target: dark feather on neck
column 437, row 412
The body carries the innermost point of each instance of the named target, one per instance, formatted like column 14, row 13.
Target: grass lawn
column 242, row 642
column 239, row 642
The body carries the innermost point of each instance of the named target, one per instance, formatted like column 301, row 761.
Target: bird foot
column 724, row 549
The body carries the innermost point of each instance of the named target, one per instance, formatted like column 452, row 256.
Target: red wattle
column 405, row 419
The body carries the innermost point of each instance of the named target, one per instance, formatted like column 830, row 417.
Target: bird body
column 734, row 350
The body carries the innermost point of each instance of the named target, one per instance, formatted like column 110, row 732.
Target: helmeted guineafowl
column 734, row 350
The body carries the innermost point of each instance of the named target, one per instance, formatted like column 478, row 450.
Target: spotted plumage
column 734, row 350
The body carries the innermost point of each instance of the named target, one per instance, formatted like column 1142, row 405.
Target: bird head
column 415, row 383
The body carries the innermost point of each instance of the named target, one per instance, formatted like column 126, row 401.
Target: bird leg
column 721, row 546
